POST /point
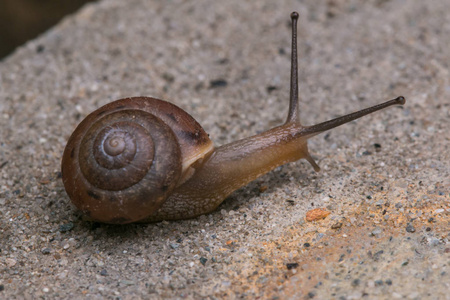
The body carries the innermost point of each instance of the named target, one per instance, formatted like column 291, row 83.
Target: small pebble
column 174, row 245
column 316, row 214
column 379, row 203
column 376, row 231
column 46, row 251
column 103, row 272
column 10, row 262
column 336, row 225
column 378, row 282
column 66, row 227
column 263, row 188
column 410, row 228
column 434, row 242
column 291, row 266
column 203, row 260
column 128, row 282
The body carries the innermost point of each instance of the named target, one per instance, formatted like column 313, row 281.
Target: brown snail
column 144, row 159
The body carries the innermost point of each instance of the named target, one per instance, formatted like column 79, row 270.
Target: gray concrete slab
column 387, row 233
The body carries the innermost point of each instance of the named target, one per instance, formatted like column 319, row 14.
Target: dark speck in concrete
column 218, row 83
column 46, row 251
column 203, row 260
column 291, row 266
column 356, row 282
column 410, row 228
column 66, row 227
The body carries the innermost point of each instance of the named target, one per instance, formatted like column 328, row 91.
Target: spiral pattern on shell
column 120, row 166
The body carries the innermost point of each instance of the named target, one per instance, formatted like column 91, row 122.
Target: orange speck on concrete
column 316, row 214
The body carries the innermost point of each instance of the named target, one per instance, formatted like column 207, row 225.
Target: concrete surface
column 388, row 232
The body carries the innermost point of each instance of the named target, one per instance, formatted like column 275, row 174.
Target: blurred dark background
column 22, row 20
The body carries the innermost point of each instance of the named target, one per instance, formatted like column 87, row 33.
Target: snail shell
column 125, row 158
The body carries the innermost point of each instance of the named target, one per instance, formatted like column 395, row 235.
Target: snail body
column 143, row 159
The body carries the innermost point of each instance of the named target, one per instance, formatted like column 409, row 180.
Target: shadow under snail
column 143, row 159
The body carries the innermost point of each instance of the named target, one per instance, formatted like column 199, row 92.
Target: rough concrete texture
column 384, row 178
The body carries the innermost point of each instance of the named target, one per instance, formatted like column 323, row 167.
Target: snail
column 143, row 159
